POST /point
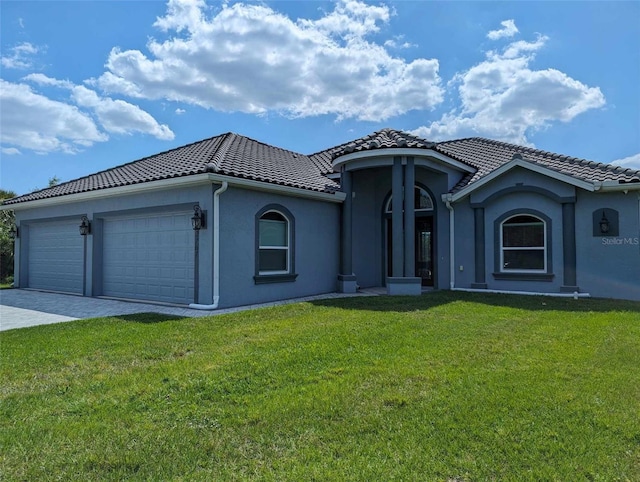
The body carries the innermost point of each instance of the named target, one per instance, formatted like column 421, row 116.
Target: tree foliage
column 7, row 219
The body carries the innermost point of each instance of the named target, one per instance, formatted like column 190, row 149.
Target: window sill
column 274, row 278
column 524, row 276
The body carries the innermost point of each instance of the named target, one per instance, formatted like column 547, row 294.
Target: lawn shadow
column 443, row 297
column 149, row 318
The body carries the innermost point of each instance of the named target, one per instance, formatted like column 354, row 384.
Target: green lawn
column 443, row 387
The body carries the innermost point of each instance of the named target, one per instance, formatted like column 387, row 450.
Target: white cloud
column 20, row 57
column 252, row 59
column 10, row 151
column 42, row 79
column 115, row 116
column 632, row 162
column 503, row 98
column 397, row 43
column 118, row 116
column 32, row 121
column 509, row 30
column 180, row 111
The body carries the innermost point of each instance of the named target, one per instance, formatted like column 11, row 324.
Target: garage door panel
column 55, row 254
column 149, row 258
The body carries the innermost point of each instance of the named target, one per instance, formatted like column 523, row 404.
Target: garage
column 149, row 258
column 56, row 257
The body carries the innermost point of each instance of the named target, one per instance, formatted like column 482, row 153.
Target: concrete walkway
column 23, row 308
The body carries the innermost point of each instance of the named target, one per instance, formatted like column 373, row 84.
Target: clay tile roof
column 228, row 154
column 382, row 139
column 486, row 155
column 238, row 156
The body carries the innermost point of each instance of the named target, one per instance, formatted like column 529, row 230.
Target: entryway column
column 397, row 257
column 346, row 278
column 409, row 219
column 480, row 276
column 569, row 247
column 402, row 280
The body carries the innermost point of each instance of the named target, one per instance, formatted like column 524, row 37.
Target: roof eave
column 400, row 151
column 617, row 186
column 176, row 182
column 466, row 191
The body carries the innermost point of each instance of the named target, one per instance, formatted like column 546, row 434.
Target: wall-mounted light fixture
column 604, row 224
column 85, row 226
column 197, row 220
column 14, row 232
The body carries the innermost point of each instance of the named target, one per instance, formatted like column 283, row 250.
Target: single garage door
column 149, row 258
column 56, row 257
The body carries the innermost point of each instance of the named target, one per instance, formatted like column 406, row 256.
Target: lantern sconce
column 198, row 219
column 604, row 224
column 85, row 226
column 14, row 232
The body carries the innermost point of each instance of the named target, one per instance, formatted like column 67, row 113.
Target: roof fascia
column 400, row 151
column 336, row 197
column 175, row 182
column 588, row 186
column 615, row 186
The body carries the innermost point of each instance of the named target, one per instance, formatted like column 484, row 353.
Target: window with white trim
column 523, row 245
column 274, row 239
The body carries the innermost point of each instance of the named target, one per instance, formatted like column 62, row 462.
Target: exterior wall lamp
column 85, row 226
column 604, row 224
column 198, row 219
column 14, row 232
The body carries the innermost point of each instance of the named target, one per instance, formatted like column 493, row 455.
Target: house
column 230, row 221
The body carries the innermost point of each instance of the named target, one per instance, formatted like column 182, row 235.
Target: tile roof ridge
column 218, row 156
column 157, row 154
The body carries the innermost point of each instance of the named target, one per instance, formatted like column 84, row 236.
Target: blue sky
column 85, row 86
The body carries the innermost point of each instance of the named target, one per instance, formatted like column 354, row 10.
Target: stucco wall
column 519, row 189
column 606, row 266
column 317, row 227
column 317, row 253
column 609, row 266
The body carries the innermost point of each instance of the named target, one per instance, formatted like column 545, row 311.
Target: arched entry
column 424, row 235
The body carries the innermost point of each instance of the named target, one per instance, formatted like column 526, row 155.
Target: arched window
column 275, row 260
column 422, row 201
column 523, row 244
column 273, row 249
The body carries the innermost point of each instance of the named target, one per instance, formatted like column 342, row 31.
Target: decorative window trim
column 276, row 276
column 544, row 274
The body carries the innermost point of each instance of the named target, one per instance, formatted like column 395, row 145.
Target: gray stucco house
column 388, row 209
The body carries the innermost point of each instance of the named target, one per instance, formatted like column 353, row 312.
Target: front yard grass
column 442, row 387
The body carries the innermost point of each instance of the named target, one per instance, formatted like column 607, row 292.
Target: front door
column 423, row 249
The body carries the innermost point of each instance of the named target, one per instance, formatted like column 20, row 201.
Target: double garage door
column 143, row 257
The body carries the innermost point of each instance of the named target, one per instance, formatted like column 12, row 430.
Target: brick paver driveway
column 22, row 308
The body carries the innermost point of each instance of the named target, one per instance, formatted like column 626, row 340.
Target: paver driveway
column 22, row 308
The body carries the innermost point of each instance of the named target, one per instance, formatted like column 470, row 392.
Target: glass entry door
column 424, row 250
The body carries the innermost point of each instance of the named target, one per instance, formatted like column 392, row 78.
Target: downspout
column 452, row 244
column 216, row 251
